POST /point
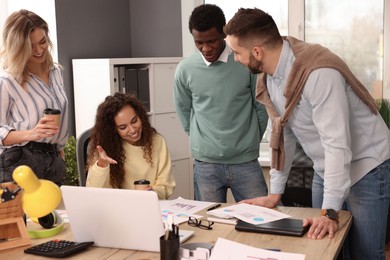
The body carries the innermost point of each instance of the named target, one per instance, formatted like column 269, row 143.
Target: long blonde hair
column 16, row 49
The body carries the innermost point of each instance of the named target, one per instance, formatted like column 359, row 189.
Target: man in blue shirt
column 312, row 96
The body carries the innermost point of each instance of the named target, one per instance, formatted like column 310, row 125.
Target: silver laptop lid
column 118, row 218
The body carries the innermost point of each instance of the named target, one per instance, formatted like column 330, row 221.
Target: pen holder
column 169, row 248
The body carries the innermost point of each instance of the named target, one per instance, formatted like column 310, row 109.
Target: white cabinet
column 169, row 127
column 94, row 79
column 184, row 181
column 163, row 87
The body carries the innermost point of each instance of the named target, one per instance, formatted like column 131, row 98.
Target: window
column 354, row 31
column 277, row 8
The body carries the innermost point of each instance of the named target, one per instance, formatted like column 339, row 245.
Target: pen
column 166, row 236
column 177, row 230
column 214, row 207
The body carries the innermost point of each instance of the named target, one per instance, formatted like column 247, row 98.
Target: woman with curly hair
column 126, row 148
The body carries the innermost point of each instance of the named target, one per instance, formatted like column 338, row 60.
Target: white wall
column 187, row 40
column 43, row 8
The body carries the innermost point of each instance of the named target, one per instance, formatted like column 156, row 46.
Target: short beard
column 254, row 65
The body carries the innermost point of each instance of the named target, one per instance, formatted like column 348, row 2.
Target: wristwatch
column 330, row 214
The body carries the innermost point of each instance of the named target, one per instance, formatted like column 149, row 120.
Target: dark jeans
column 42, row 158
column 211, row 181
column 368, row 201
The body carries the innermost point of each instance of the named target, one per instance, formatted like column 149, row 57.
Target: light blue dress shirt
column 340, row 134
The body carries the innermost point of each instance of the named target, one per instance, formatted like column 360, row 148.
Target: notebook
column 285, row 226
column 117, row 218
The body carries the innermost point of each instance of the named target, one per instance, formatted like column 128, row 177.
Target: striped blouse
column 21, row 109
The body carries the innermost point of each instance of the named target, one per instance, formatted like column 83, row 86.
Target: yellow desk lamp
column 37, row 197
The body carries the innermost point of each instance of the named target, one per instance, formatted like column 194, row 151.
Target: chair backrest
column 298, row 187
column 297, row 197
column 81, row 154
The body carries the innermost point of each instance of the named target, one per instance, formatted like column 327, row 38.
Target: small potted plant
column 72, row 175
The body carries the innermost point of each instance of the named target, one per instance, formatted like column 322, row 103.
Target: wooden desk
column 313, row 249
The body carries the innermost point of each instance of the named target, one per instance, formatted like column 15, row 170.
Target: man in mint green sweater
column 215, row 101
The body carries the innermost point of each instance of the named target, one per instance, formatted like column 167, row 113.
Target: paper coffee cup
column 55, row 114
column 141, row 184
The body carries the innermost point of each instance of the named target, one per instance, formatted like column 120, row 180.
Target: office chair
column 81, row 155
column 297, row 197
column 298, row 187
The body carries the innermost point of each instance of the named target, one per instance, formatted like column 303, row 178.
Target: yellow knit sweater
column 160, row 174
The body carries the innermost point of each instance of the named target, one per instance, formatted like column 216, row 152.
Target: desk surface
column 313, row 249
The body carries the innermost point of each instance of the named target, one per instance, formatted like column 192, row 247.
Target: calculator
column 57, row 248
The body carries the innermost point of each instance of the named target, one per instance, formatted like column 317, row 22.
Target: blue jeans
column 369, row 203
column 45, row 164
column 211, row 181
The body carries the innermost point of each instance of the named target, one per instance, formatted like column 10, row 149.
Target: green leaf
column 384, row 110
column 71, row 175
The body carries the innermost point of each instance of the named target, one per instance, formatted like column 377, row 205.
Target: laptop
column 117, row 218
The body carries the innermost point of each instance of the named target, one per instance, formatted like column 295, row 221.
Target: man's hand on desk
column 320, row 226
column 270, row 201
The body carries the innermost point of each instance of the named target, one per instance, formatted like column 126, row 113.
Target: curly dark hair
column 104, row 133
column 206, row 17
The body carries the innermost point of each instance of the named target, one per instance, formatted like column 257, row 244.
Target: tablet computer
column 285, row 226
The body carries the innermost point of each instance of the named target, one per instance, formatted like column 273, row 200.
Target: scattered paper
column 184, row 205
column 182, row 209
column 248, row 213
column 230, row 250
column 178, row 216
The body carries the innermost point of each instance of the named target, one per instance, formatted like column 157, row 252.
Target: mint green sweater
column 217, row 108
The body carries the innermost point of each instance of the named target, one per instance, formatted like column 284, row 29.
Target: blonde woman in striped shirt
column 32, row 83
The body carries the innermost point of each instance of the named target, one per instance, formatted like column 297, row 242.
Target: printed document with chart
column 182, row 208
column 248, row 213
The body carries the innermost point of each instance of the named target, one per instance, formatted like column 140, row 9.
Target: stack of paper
column 226, row 249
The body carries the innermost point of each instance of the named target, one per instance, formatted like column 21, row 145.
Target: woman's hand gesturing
column 104, row 160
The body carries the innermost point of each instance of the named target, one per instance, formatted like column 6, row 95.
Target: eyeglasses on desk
column 202, row 223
